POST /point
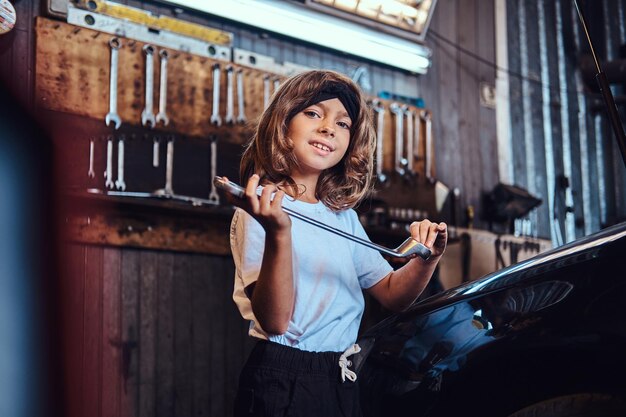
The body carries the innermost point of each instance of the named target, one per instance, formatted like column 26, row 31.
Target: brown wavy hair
column 269, row 153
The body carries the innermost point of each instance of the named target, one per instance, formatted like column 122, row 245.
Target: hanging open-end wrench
column 112, row 115
column 119, row 183
column 162, row 114
column 91, row 173
column 241, row 118
column 156, row 144
column 215, row 116
column 409, row 140
column 147, row 116
column 214, row 197
column 378, row 107
column 276, row 84
column 169, row 170
column 230, row 108
column 266, row 91
column 417, row 145
column 429, row 145
column 108, row 174
column 400, row 162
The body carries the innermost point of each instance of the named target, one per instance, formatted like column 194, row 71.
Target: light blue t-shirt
column 329, row 273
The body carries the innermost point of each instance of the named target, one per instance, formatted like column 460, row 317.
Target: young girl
column 300, row 286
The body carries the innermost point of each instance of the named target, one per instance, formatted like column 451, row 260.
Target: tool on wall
column 156, row 145
column 400, row 162
column 163, row 31
column 112, row 115
column 429, row 144
column 167, row 190
column 147, row 115
column 241, row 117
column 230, row 116
column 90, row 172
column 379, row 109
column 108, row 174
column 410, row 173
column 119, row 183
column 215, row 116
column 417, row 145
column 162, row 114
column 214, row 197
column 266, row 91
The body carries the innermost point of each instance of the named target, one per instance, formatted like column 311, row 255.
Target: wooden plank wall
column 150, row 333
column 155, row 333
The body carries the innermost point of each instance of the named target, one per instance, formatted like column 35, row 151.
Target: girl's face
column 320, row 135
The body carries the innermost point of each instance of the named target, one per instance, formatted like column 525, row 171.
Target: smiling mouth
column 321, row 146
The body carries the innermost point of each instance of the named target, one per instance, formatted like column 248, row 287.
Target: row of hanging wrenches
column 148, row 118
column 229, row 118
column 167, row 192
column 407, row 143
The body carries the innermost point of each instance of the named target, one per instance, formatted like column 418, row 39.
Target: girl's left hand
column 433, row 235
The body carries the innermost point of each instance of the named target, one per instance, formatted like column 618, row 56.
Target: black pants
column 281, row 381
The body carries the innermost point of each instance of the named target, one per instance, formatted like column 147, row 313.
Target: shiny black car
column 544, row 337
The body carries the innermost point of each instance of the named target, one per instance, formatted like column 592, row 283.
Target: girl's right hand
column 266, row 210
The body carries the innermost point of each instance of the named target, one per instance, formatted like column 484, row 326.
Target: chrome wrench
column 378, row 107
column 169, row 170
column 400, row 162
column 215, row 116
column 266, row 91
column 407, row 249
column 162, row 114
column 91, row 173
column 214, row 197
column 429, row 145
column 241, row 118
column 108, row 174
column 409, row 140
column 120, row 184
column 147, row 116
column 112, row 115
column 417, row 145
column 155, row 151
column 230, row 116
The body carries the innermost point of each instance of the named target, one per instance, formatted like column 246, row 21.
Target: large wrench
column 215, row 116
column 119, row 183
column 162, row 114
column 409, row 140
column 241, row 118
column 230, row 112
column 112, row 115
column 213, row 195
column 108, row 174
column 378, row 107
column 400, row 162
column 429, row 145
column 147, row 116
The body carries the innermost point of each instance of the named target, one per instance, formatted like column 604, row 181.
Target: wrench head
column 147, row 119
column 113, row 117
column 241, row 120
column 216, row 120
column 162, row 118
column 120, row 185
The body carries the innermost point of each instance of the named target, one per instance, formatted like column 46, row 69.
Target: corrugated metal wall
column 563, row 150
